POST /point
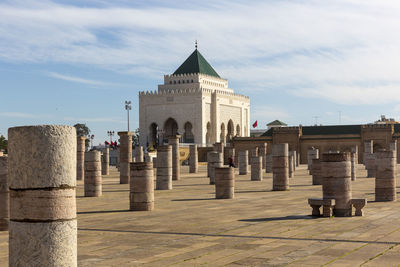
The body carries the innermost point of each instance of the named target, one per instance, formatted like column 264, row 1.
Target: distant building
column 276, row 123
column 326, row 138
column 195, row 102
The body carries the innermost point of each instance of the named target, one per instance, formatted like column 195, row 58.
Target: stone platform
column 260, row 227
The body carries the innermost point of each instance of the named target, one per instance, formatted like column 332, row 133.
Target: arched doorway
column 188, row 136
column 153, row 135
column 208, row 134
column 170, row 127
column 231, row 131
column 222, row 135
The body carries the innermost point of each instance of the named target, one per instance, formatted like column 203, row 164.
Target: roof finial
column 195, row 44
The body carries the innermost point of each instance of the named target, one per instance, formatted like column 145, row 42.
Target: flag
column 255, row 124
column 107, row 143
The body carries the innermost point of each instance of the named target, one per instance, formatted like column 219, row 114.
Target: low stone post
column 268, row 163
column 141, row 196
column 256, row 168
column 316, row 172
column 312, row 153
column 80, row 157
column 105, row 162
column 139, row 156
column 280, row 167
column 42, row 175
column 93, row 179
column 291, row 164
column 219, row 147
column 370, row 165
column 4, row 195
column 385, row 182
column 215, row 160
column 176, row 164
column 243, row 162
column 164, row 168
column 368, row 149
column 336, row 184
column 193, row 159
column 125, row 156
column 353, row 159
column 224, row 183
column 263, row 152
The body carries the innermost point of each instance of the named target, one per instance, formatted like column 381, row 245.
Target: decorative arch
column 238, row 130
column 188, row 136
column 170, row 127
column 231, row 131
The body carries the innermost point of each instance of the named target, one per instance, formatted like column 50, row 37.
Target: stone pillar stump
column 336, row 184
column 256, row 168
column 385, row 182
column 80, row 157
column 105, row 162
column 42, row 174
column 164, row 168
column 193, row 159
column 215, row 160
column 280, row 167
column 224, row 183
column 4, row 194
column 125, row 156
column 93, row 179
column 243, row 162
column 141, row 196
column 176, row 166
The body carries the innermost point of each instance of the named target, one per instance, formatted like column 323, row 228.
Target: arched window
column 188, row 136
column 231, row 131
column 170, row 127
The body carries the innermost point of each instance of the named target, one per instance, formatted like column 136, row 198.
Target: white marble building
column 196, row 103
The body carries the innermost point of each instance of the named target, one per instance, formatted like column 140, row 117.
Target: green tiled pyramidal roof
column 196, row 63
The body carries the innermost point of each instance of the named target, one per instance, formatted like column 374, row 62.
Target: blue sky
column 67, row 62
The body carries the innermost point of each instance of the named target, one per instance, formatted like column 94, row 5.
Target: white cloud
column 75, row 79
column 341, row 51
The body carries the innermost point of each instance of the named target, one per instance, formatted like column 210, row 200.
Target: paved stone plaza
column 259, row 227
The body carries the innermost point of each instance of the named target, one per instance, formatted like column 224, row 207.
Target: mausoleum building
column 196, row 103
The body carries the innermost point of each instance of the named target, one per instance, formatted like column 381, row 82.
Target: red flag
column 107, row 143
column 255, row 124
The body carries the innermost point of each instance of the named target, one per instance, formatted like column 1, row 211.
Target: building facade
column 196, row 103
column 326, row 138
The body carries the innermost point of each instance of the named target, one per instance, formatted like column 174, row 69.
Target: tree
column 3, row 143
column 83, row 130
